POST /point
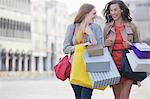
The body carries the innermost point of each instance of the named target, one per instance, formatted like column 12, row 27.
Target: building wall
column 22, row 38
column 57, row 21
column 15, row 35
column 141, row 15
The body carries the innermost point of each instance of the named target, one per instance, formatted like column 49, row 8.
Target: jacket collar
column 111, row 26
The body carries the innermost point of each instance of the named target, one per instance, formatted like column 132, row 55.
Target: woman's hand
column 88, row 30
column 108, row 42
column 91, row 35
column 72, row 48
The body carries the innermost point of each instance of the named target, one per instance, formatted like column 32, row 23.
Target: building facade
column 15, row 35
column 38, row 24
column 140, row 10
column 57, row 21
column 31, row 34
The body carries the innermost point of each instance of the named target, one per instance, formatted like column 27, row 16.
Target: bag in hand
column 126, row 70
column 63, row 68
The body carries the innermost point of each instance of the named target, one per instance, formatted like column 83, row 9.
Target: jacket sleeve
column 68, row 39
column 136, row 34
column 99, row 35
column 105, row 33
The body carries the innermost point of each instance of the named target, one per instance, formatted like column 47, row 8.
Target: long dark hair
column 83, row 10
column 125, row 14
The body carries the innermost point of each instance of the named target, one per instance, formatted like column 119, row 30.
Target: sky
column 73, row 5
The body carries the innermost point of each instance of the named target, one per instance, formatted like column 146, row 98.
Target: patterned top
column 118, row 46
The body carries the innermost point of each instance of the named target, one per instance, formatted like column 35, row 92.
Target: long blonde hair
column 84, row 9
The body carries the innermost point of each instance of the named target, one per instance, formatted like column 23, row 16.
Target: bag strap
column 73, row 34
column 72, row 38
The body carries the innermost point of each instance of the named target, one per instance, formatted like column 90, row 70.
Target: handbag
column 126, row 70
column 63, row 67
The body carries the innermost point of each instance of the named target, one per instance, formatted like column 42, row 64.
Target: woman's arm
column 91, row 35
column 67, row 45
column 107, row 42
column 99, row 35
column 136, row 34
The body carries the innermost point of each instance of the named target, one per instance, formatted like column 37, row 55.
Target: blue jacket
column 96, row 29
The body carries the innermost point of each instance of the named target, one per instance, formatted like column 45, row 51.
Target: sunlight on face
column 92, row 15
column 115, row 11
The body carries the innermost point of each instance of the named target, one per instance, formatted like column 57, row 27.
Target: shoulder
column 109, row 25
column 70, row 26
column 95, row 26
column 131, row 25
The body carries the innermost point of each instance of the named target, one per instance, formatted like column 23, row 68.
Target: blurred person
column 85, row 31
column 119, row 32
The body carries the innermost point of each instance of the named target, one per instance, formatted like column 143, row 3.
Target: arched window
column 7, row 28
column 4, row 27
column 1, row 27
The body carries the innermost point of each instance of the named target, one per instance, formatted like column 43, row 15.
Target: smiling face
column 115, row 12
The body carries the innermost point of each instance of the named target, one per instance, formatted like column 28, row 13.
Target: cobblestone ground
column 52, row 88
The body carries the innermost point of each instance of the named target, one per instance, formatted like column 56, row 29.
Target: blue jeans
column 82, row 92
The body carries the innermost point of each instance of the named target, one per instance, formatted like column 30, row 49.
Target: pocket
column 129, row 34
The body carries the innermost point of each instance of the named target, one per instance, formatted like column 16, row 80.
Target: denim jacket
column 96, row 29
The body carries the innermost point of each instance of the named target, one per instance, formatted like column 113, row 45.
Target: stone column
column 32, row 63
column 7, row 62
column 40, row 68
column 20, row 64
column 26, row 63
column 13, row 63
column 48, row 62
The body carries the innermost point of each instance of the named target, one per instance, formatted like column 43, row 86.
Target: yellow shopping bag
column 78, row 75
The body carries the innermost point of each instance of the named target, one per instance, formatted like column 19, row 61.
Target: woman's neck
column 119, row 22
column 83, row 25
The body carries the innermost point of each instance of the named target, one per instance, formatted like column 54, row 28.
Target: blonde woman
column 85, row 31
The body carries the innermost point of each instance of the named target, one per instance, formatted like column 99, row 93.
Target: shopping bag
column 105, row 78
column 96, row 63
column 142, row 50
column 95, row 50
column 78, row 75
column 126, row 70
column 137, row 64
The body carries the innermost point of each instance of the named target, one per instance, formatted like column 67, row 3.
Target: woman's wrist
column 72, row 49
